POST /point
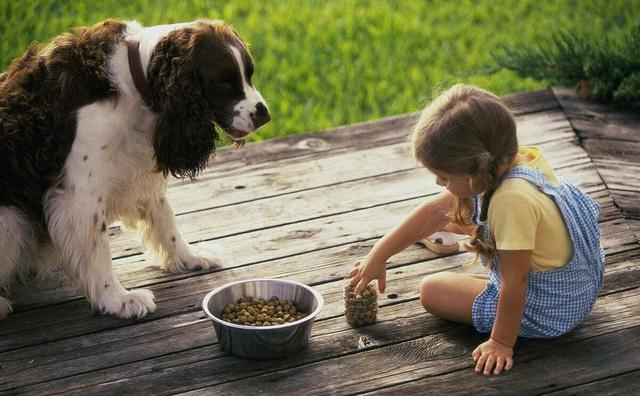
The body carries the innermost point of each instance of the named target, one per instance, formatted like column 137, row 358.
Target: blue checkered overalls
column 556, row 301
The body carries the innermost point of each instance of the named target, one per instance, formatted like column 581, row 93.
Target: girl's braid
column 477, row 242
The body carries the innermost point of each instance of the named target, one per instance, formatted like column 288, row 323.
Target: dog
column 92, row 125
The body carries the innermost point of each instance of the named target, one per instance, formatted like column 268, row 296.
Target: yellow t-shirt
column 521, row 217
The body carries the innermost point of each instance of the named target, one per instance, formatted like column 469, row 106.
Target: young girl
column 538, row 234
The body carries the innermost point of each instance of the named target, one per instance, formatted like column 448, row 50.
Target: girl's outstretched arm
column 498, row 350
column 429, row 217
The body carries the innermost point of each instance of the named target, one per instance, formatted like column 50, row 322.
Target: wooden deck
column 304, row 208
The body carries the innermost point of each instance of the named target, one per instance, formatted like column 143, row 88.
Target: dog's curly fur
column 38, row 98
column 79, row 148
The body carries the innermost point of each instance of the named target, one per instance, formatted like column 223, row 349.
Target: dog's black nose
column 261, row 115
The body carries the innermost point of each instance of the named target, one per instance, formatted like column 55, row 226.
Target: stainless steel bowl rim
column 311, row 316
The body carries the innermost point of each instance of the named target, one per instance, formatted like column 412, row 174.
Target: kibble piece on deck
column 360, row 309
column 251, row 311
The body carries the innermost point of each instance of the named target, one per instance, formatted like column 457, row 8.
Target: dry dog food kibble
column 360, row 309
column 253, row 311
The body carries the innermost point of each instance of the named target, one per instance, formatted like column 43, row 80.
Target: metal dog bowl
column 266, row 342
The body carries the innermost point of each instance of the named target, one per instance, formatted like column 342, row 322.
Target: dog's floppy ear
column 185, row 133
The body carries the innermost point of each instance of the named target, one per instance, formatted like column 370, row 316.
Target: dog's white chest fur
column 112, row 159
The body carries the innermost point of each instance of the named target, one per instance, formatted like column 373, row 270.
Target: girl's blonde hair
column 467, row 131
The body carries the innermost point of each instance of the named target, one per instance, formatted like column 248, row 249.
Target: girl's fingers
column 361, row 285
column 489, row 365
column 509, row 363
column 480, row 363
column 499, row 365
column 382, row 284
column 475, row 354
column 355, row 279
column 354, row 271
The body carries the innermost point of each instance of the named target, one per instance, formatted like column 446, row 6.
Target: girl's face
column 460, row 186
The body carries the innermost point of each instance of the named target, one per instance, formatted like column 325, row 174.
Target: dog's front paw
column 200, row 259
column 130, row 304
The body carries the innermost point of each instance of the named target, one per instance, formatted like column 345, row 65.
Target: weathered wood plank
column 620, row 176
column 623, row 180
column 532, row 129
column 266, row 244
column 621, row 270
column 292, row 175
column 532, row 102
column 74, row 318
column 416, row 356
column 292, row 202
column 628, row 201
column 635, row 226
column 269, row 213
column 339, row 197
column 73, row 312
column 331, row 338
column 135, row 272
column 375, row 133
column 614, row 150
column 624, row 384
column 280, row 176
column 564, row 366
column 118, row 346
column 598, row 121
column 48, row 357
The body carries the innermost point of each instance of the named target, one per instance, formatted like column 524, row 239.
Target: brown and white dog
column 91, row 125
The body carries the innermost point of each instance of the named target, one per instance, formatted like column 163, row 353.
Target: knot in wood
column 313, row 144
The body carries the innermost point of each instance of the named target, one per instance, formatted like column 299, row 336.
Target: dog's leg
column 77, row 225
column 16, row 233
column 160, row 232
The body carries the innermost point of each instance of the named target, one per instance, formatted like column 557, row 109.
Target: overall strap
column 532, row 175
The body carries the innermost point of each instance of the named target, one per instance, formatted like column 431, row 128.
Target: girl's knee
column 431, row 290
column 425, row 287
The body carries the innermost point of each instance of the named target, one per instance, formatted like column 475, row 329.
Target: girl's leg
column 450, row 295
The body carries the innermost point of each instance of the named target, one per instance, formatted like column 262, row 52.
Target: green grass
column 321, row 64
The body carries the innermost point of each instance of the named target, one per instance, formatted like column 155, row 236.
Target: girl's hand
column 366, row 271
column 491, row 353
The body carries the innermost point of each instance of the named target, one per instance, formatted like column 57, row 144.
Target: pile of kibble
column 253, row 311
column 360, row 309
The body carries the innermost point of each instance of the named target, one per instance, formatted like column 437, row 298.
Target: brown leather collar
column 135, row 67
